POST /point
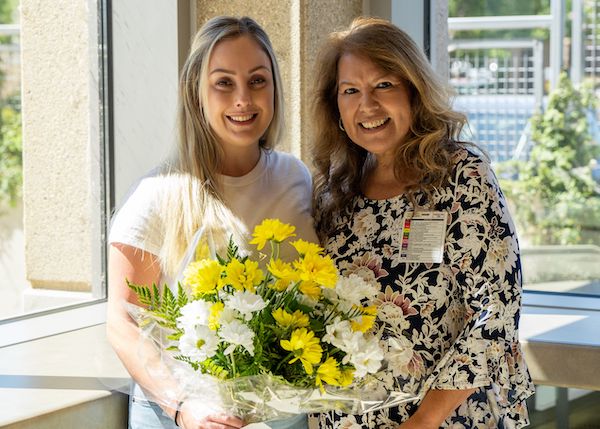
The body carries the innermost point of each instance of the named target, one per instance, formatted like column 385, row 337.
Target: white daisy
column 237, row 333
column 193, row 314
column 246, row 303
column 354, row 289
column 198, row 343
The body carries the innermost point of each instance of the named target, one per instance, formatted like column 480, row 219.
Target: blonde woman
column 402, row 201
column 224, row 177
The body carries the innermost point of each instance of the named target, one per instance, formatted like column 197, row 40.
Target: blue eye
column 384, row 85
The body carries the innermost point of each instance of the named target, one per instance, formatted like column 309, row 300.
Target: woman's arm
column 482, row 247
column 435, row 408
column 139, row 267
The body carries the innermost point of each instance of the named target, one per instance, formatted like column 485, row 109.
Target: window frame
column 44, row 323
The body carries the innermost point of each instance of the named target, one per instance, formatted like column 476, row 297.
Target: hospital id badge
column 423, row 237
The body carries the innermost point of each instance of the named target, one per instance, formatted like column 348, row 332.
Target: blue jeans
column 145, row 414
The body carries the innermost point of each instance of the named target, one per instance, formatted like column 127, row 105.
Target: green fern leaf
column 143, row 293
column 214, row 369
column 155, row 297
column 232, row 249
column 182, row 297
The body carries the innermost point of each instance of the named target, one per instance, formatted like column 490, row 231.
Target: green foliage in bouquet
column 297, row 321
column 163, row 306
column 555, row 198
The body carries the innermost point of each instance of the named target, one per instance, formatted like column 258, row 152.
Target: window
column 539, row 127
column 53, row 221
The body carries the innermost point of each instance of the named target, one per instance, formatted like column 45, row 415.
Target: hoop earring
column 341, row 125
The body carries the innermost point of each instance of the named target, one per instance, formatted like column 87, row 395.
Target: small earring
column 341, row 125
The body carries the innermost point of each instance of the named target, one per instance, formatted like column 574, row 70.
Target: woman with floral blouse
column 401, row 201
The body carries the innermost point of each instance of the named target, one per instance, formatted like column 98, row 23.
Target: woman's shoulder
column 470, row 162
column 468, row 154
column 146, row 187
column 472, row 170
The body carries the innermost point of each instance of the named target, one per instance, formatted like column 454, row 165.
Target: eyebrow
column 381, row 76
column 219, row 70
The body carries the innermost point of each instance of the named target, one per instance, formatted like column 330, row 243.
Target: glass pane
column 51, row 158
column 540, row 128
column 556, row 407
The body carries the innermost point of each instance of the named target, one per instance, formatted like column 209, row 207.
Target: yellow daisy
column 317, row 268
column 283, row 270
column 310, row 289
column 305, row 348
column 362, row 323
column 371, row 310
column 366, row 320
column 202, row 250
column 286, row 320
column 243, row 276
column 280, row 285
column 203, row 277
column 306, row 247
column 346, row 377
column 271, row 229
column 215, row 315
column 328, row 372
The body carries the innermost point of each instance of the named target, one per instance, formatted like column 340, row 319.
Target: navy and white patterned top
column 450, row 325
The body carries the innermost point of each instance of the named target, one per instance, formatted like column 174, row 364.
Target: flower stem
column 232, row 358
column 289, row 356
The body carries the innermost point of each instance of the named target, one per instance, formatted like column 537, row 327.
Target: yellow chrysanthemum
column 305, row 348
column 280, row 285
column 346, row 377
column 317, row 268
column 243, row 276
column 283, row 270
column 271, row 229
column 286, row 320
column 310, row 289
column 203, row 277
column 366, row 320
column 306, row 247
column 215, row 315
column 371, row 310
column 328, row 372
column 202, row 250
column 362, row 323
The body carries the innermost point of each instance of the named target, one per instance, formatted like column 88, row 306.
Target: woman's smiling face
column 374, row 105
column 240, row 92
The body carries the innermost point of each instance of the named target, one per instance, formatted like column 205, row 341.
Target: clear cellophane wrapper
column 255, row 398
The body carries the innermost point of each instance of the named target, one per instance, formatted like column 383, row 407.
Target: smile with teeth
column 374, row 124
column 241, row 118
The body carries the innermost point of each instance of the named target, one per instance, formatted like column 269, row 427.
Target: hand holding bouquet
column 287, row 338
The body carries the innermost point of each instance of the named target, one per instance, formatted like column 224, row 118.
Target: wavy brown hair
column 423, row 161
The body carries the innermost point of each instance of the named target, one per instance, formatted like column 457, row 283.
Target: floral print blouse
column 449, row 325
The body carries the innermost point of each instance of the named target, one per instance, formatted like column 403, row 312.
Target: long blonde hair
column 194, row 196
column 422, row 162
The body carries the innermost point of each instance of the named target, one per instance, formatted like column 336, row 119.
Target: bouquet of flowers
column 269, row 342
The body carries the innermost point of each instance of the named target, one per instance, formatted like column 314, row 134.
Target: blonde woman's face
column 374, row 105
column 240, row 92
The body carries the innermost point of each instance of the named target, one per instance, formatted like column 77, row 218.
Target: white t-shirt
column 279, row 186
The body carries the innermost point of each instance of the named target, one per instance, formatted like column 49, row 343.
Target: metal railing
column 499, row 85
